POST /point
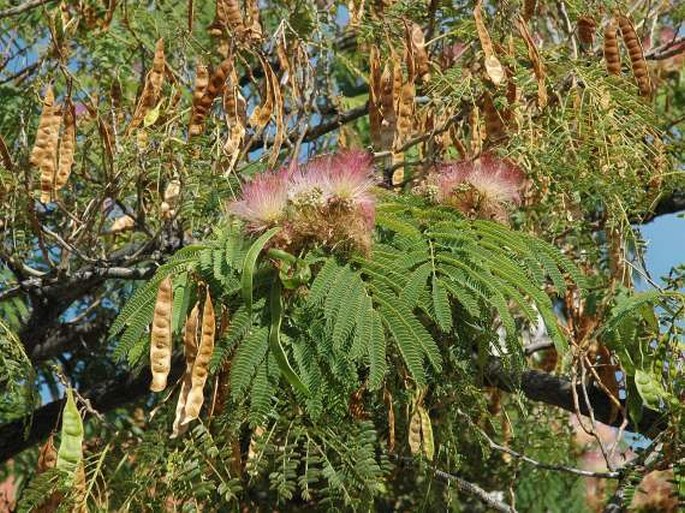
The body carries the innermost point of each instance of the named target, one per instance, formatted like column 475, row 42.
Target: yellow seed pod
column 201, row 365
column 70, row 451
column 427, row 442
column 66, row 147
column 160, row 340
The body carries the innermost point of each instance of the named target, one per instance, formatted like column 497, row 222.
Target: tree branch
column 26, row 6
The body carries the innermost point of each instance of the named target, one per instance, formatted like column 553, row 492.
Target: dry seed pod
column 262, row 114
column 152, row 89
column 160, row 339
column 190, row 349
column 586, row 30
column 375, row 116
column 200, row 367
column 611, row 53
column 44, row 127
column 254, row 26
column 536, row 59
column 44, row 152
column 637, row 57
column 415, row 432
column 201, row 83
column 387, row 397
column 47, row 457
column 494, row 126
column 418, row 46
column 405, row 113
column 66, row 146
column 216, row 84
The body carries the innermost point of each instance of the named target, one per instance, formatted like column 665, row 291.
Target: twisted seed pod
column 66, row 146
column 200, row 367
column 201, row 108
column 637, row 57
column 160, row 339
column 611, row 53
column 190, row 348
column 47, row 457
column 586, row 30
column 70, row 451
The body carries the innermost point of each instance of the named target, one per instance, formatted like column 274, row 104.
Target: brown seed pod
column 199, row 88
column 405, row 113
column 160, row 340
column 375, row 116
column 66, row 146
column 47, row 457
column 254, row 26
column 427, row 441
column 536, row 59
column 262, row 114
column 44, row 152
column 529, row 9
column 212, row 90
column 494, row 126
column 637, row 57
column 417, row 42
column 201, row 365
column 611, row 53
column 415, row 432
column 586, row 30
column 190, row 349
column 152, row 88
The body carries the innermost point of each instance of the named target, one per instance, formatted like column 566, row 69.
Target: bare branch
column 26, row 6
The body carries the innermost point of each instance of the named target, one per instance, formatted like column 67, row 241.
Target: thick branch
column 558, row 391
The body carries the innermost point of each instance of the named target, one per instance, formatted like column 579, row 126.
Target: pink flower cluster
column 326, row 201
column 483, row 188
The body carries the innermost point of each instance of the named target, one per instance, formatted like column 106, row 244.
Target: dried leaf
column 201, row 365
column 161, row 336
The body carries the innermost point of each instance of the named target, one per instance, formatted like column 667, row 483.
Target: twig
column 485, row 497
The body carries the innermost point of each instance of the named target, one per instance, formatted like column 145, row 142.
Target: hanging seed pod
column 44, row 152
column 201, row 365
column 66, row 146
column 494, row 126
column 212, row 90
column 415, row 432
column 417, row 42
column 47, row 457
column 254, row 26
column 637, row 57
column 70, row 451
column 190, row 349
column 375, row 116
column 586, row 30
column 160, row 339
column 387, row 398
column 611, row 53
column 152, row 89
column 536, row 59
column 405, row 113
column 427, row 442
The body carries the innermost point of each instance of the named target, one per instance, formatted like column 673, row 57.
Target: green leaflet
column 70, row 451
column 250, row 263
column 275, row 340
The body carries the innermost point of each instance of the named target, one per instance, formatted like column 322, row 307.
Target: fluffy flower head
column 264, row 200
